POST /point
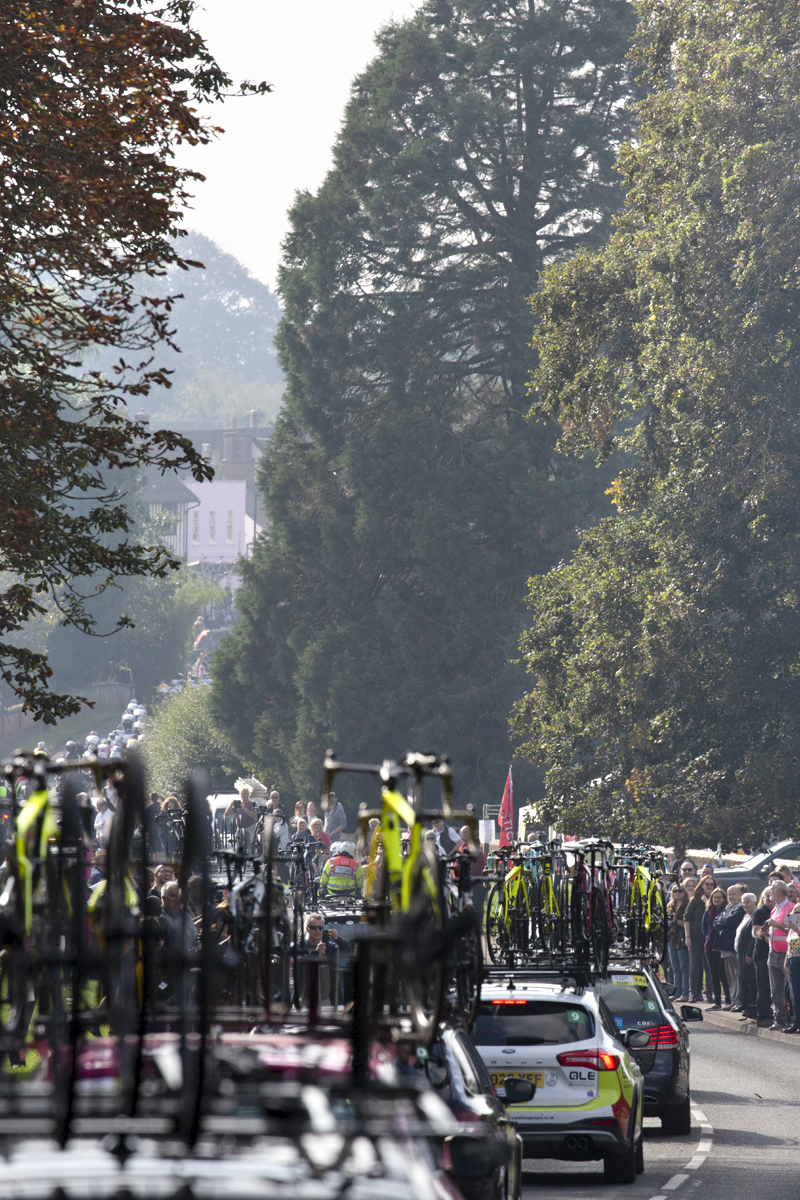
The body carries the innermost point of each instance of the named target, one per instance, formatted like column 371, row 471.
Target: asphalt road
column 745, row 1139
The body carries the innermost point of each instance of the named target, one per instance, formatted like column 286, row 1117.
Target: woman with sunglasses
column 693, row 924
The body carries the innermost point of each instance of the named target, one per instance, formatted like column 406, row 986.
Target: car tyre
column 640, row 1156
column 678, row 1118
column 620, row 1168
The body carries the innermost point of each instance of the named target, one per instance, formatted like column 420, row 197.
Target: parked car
column 637, row 999
column 754, row 871
column 561, row 1037
column 456, row 1071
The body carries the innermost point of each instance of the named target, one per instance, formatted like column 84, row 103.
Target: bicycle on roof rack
column 407, row 890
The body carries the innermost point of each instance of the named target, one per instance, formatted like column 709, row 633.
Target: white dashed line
column 702, row 1151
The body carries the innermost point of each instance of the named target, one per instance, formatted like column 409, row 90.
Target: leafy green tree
column 155, row 639
column 182, row 737
column 666, row 655
column 408, row 498
column 96, row 98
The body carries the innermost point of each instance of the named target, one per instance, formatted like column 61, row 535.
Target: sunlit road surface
column 745, row 1139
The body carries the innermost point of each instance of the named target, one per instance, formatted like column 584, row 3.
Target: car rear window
column 630, row 999
column 532, row 1023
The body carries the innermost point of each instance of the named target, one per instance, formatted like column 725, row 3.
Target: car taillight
column 593, row 1060
column 661, row 1035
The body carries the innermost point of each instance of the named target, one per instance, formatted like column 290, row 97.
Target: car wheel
column 678, row 1118
column 517, row 1192
column 640, row 1156
column 620, row 1168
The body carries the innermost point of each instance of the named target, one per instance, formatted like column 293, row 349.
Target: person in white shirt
column 102, row 822
column 447, row 838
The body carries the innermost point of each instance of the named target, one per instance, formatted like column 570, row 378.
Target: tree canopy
column 407, row 496
column 666, row 654
column 224, row 323
column 95, row 99
column 182, row 738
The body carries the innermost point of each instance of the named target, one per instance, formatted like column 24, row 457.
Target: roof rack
column 581, row 976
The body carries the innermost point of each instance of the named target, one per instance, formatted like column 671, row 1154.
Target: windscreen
column 631, row 1000
column 532, row 1023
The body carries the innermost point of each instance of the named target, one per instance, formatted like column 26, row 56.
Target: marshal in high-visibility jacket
column 342, row 874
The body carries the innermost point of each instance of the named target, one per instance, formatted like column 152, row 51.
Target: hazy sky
column 310, row 50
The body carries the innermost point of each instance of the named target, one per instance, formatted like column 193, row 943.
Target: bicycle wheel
column 465, row 968
column 600, row 932
column 580, row 914
column 497, row 941
column 523, row 917
column 549, row 917
column 657, row 932
column 425, row 926
column 13, row 991
column 638, row 933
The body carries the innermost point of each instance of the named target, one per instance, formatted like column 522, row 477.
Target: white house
column 220, row 528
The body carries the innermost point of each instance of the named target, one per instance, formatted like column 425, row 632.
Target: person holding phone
column 332, row 950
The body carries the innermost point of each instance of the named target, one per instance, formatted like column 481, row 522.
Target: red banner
column 506, row 817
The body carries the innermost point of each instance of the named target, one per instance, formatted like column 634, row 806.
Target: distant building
column 168, row 498
column 214, row 522
column 220, row 528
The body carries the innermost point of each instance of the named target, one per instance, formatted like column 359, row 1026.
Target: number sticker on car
column 536, row 1077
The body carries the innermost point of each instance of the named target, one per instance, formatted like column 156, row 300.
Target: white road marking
column 702, row 1150
column 674, row 1183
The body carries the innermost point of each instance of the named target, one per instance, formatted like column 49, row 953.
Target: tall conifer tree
column 409, row 499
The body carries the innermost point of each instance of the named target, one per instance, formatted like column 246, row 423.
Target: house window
column 229, row 528
column 195, row 526
column 212, row 527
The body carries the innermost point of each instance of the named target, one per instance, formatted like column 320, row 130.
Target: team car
column 637, row 999
column 561, row 1037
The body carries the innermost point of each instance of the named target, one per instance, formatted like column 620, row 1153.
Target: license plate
column 536, row 1077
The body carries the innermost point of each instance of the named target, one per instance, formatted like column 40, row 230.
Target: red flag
column 506, row 818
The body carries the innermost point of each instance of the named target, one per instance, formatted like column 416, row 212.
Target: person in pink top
column 777, row 951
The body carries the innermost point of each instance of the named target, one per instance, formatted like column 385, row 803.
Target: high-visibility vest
column 342, row 873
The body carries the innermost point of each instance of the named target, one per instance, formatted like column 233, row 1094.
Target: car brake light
column 509, row 1002
column 605, row 1122
column 593, row 1060
column 661, row 1035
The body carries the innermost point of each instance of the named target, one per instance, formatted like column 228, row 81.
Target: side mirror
column 669, row 988
column 518, row 1091
column 475, row 1158
column 690, row 1012
column 635, row 1039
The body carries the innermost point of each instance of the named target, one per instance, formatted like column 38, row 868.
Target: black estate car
column 637, row 999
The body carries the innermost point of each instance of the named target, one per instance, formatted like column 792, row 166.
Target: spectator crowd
column 732, row 944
